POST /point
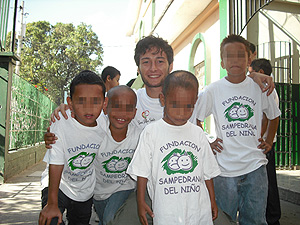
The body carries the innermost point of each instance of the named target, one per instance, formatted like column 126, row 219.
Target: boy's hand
column 48, row 213
column 216, row 146
column 214, row 210
column 264, row 145
column 49, row 138
column 143, row 209
column 265, row 82
column 61, row 108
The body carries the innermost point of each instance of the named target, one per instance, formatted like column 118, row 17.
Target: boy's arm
column 262, row 80
column 215, row 146
column 51, row 210
column 50, row 138
column 272, row 129
column 211, row 191
column 143, row 208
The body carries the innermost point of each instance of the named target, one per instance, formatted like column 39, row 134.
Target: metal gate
column 279, row 53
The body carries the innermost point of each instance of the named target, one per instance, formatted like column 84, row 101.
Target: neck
column 118, row 134
column 235, row 79
column 153, row 92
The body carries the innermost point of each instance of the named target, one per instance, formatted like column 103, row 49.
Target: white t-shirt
column 176, row 160
column 76, row 149
column 112, row 161
column 148, row 109
column 237, row 111
column 277, row 102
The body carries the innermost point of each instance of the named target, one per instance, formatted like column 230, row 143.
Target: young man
column 71, row 170
column 237, row 105
column 273, row 213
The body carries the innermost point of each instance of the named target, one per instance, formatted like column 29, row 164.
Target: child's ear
column 70, row 103
column 162, row 99
column 105, row 105
column 261, row 71
column 222, row 64
column 108, row 78
column 249, row 61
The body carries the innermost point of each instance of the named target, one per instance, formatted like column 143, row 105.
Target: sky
column 108, row 19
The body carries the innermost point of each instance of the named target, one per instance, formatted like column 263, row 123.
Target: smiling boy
column 120, row 138
column 237, row 105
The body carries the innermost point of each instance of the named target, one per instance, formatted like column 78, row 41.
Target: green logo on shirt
column 116, row 164
column 179, row 161
column 238, row 112
column 81, row 161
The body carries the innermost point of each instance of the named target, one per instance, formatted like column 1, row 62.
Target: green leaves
column 53, row 55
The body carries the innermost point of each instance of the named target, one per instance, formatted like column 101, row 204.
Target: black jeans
column 273, row 212
column 78, row 213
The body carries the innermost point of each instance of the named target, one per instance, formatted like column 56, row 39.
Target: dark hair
column 149, row 42
column 180, row 78
column 120, row 90
column 111, row 71
column 252, row 47
column 86, row 77
column 263, row 64
column 231, row 38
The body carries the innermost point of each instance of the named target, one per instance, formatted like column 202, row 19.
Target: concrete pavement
column 20, row 197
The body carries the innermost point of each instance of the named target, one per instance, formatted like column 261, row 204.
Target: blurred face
column 235, row 59
column 110, row 83
column 178, row 105
column 120, row 109
column 154, row 67
column 87, row 103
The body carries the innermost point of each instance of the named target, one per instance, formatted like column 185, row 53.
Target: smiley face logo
column 81, row 161
column 242, row 112
column 238, row 112
column 185, row 162
column 116, row 164
column 145, row 114
column 179, row 161
column 121, row 165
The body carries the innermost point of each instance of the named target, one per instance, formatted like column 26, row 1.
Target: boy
column 71, row 170
column 174, row 159
column 111, row 76
column 120, row 138
column 237, row 105
column 273, row 211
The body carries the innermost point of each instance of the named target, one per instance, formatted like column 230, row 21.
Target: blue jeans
column 106, row 209
column 246, row 194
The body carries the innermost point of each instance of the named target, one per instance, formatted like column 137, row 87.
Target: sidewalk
column 20, row 197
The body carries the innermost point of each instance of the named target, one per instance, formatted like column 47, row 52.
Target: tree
column 52, row 55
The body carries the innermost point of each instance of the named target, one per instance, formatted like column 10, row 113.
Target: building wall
column 17, row 161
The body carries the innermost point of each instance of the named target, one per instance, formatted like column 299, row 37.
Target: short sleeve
column 210, row 166
column 141, row 162
column 203, row 107
column 270, row 106
column 56, row 153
